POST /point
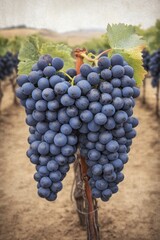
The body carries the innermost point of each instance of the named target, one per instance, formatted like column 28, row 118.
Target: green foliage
column 34, row 46
column 29, row 53
column 59, row 50
column 3, row 45
column 97, row 44
column 14, row 44
column 150, row 35
column 124, row 40
column 11, row 45
column 123, row 36
column 30, row 48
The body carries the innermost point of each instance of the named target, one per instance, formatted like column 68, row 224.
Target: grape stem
column 71, row 79
column 106, row 51
column 94, row 60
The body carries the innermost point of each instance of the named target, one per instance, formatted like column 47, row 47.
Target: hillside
column 72, row 38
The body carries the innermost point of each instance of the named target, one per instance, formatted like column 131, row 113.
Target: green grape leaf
column 58, row 50
column 47, row 48
column 123, row 36
column 30, row 49
column 24, row 67
column 133, row 57
column 34, row 46
column 64, row 52
column 123, row 40
column 29, row 53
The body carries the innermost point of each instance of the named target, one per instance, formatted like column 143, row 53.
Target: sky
column 70, row 15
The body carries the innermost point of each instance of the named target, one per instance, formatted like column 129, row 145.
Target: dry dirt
column 131, row 214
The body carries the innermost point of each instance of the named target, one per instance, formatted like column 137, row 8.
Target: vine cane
column 13, row 85
column 89, row 203
column 1, row 94
column 144, row 91
column 157, row 99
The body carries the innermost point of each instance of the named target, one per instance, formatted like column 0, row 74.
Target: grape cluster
column 154, row 67
column 146, row 59
column 94, row 115
column 105, row 109
column 45, row 93
column 8, row 63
